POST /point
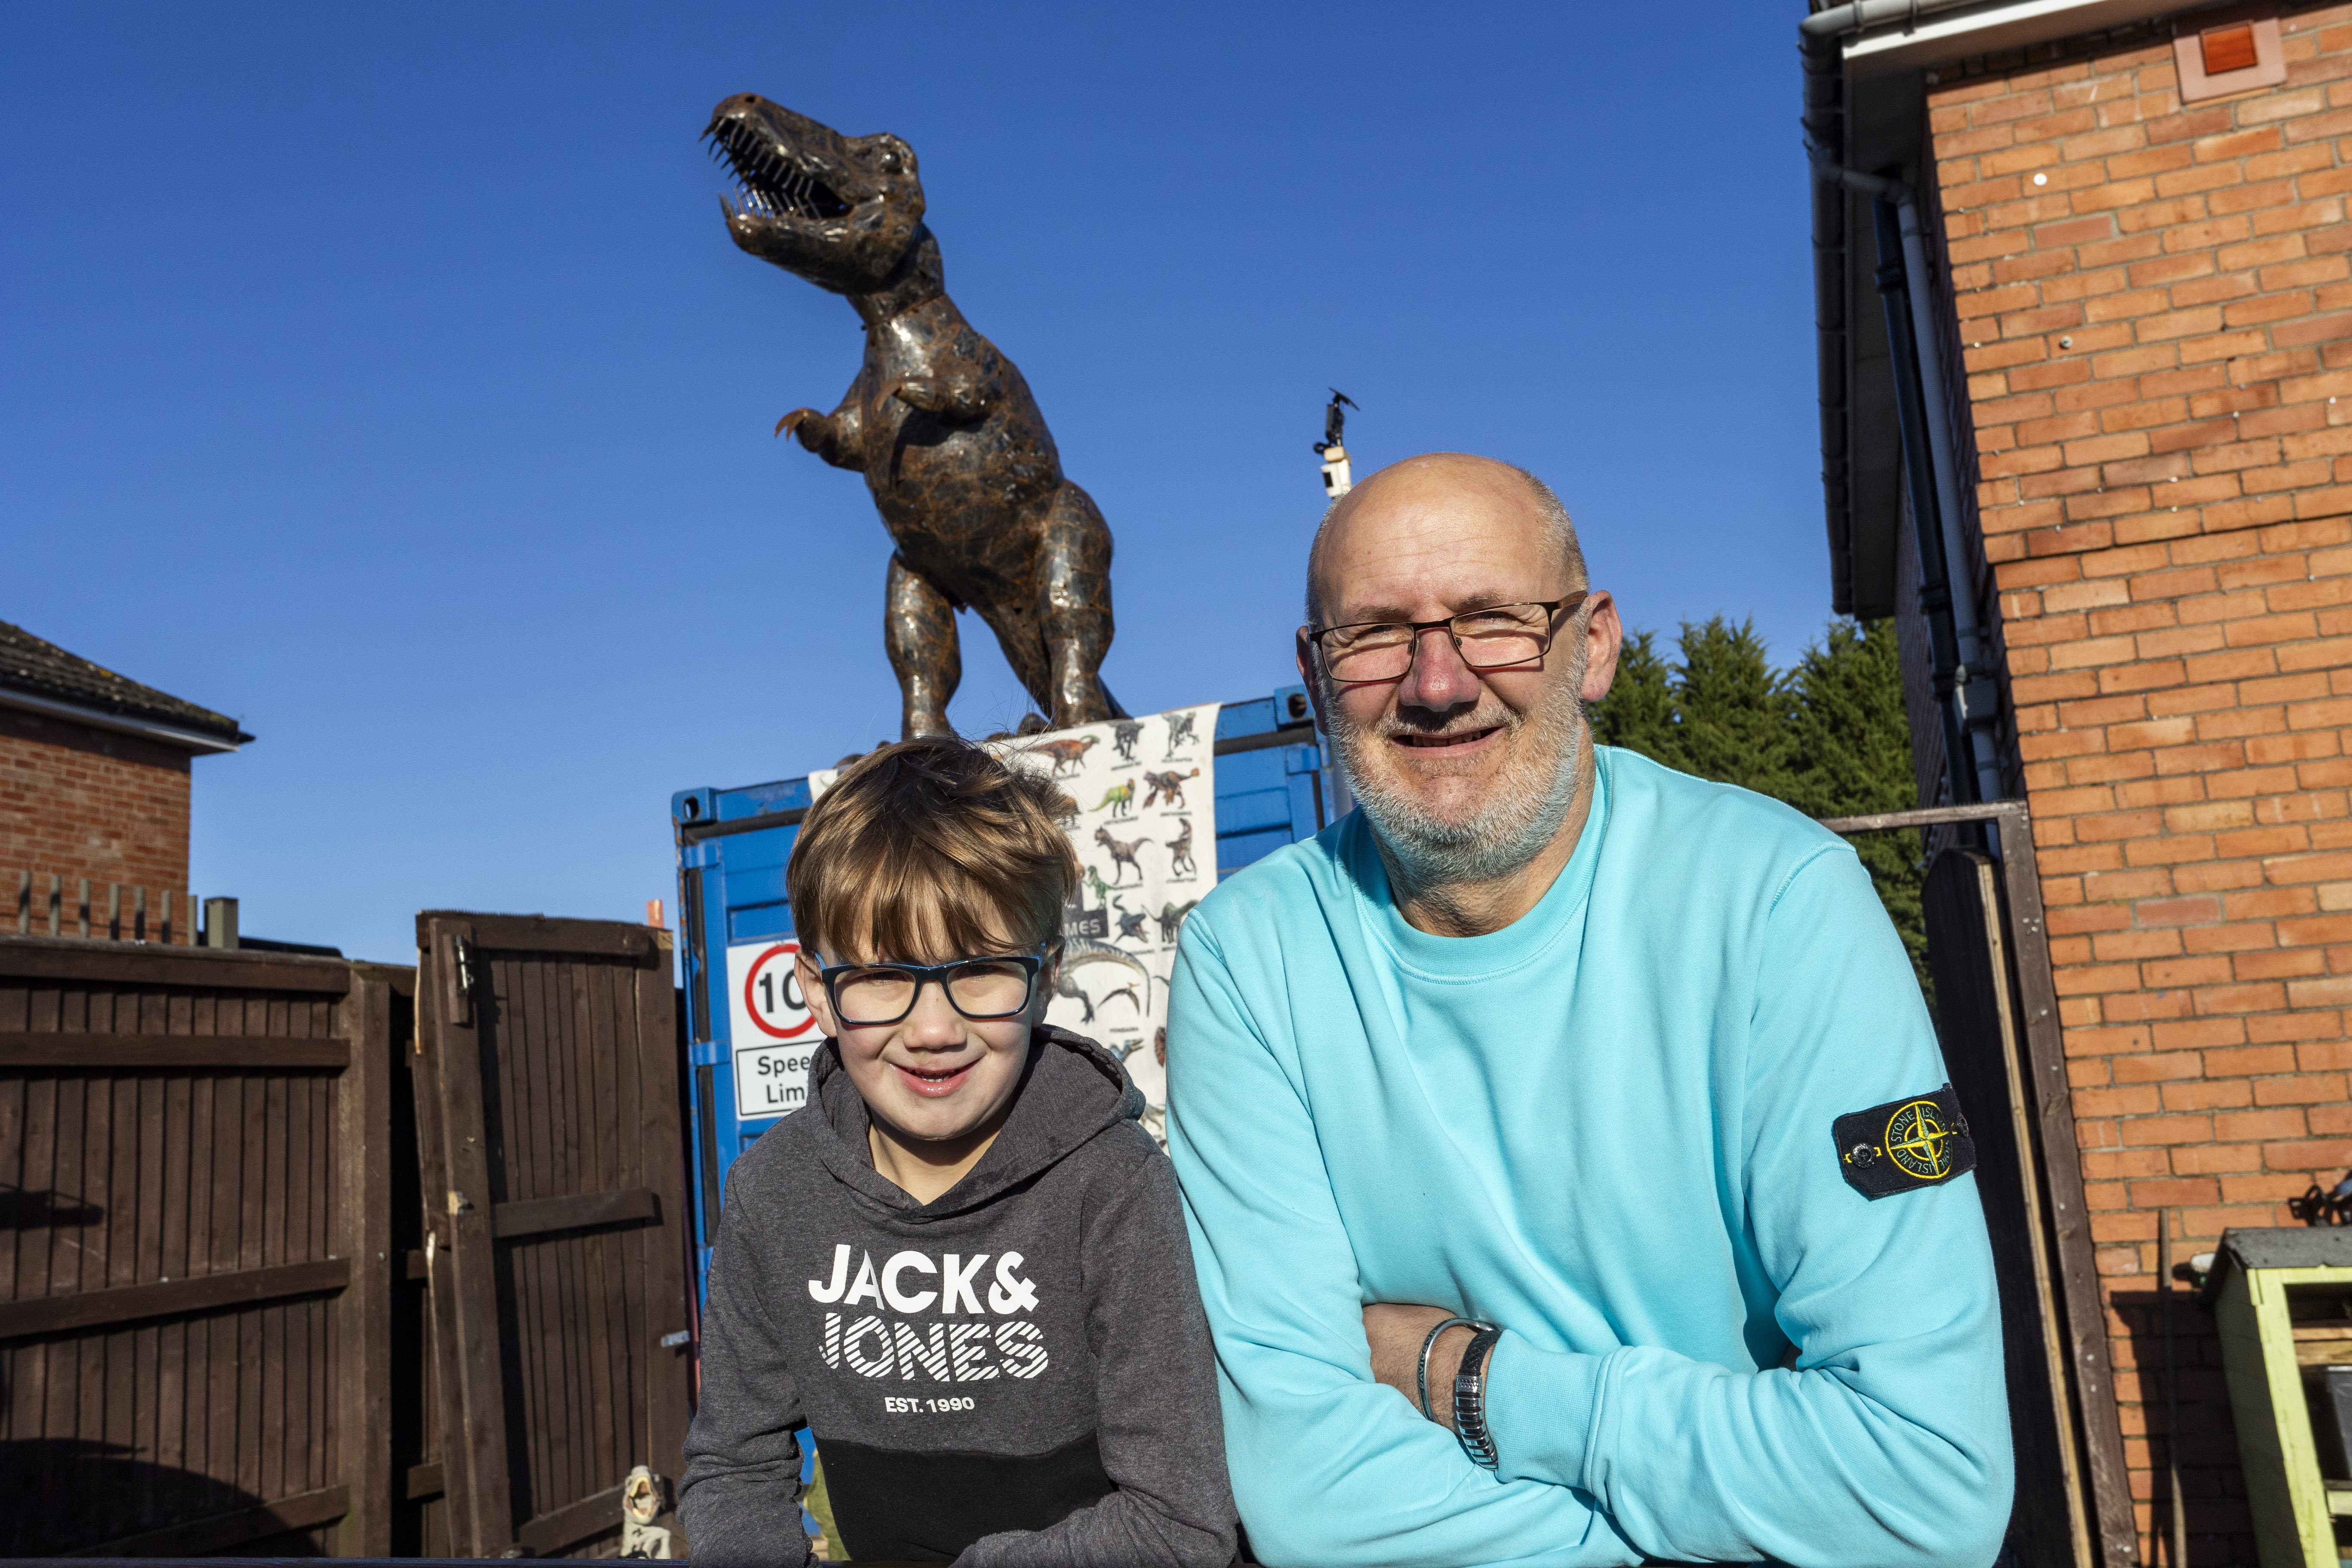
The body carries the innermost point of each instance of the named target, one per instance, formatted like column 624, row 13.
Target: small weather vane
column 1336, row 479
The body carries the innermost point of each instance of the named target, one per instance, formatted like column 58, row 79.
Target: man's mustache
column 1394, row 724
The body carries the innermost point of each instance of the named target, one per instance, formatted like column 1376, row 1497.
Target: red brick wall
column 82, row 802
column 2164, row 503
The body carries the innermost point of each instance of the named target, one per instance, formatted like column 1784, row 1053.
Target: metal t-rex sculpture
column 942, row 426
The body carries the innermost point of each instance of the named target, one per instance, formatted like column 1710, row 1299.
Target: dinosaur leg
column 1024, row 650
column 919, row 628
column 1074, row 604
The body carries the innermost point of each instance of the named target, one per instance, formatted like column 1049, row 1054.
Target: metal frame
column 2062, row 1165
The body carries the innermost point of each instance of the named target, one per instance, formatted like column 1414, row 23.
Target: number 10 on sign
column 773, row 1031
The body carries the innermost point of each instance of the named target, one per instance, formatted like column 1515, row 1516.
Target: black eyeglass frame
column 1553, row 609
column 927, row 973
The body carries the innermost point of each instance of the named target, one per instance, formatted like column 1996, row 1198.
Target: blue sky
column 382, row 375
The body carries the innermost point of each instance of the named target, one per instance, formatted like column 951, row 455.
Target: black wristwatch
column 1470, row 1399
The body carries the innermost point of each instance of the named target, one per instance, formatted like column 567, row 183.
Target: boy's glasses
column 981, row 989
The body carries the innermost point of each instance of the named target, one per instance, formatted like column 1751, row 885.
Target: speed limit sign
column 773, row 1032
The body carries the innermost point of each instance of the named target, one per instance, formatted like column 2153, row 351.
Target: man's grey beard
column 1523, row 814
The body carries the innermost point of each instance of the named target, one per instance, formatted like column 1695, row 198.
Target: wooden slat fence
column 196, row 1255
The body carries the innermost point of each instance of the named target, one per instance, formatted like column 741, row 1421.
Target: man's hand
column 1395, row 1333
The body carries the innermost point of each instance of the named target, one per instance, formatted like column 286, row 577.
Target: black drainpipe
column 1919, row 486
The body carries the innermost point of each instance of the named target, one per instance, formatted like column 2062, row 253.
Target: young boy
column 962, row 1266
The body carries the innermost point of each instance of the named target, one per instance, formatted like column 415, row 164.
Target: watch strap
column 1470, row 1399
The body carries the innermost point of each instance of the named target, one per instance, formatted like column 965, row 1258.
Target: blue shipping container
column 1275, row 785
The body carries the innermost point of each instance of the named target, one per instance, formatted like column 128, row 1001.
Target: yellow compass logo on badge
column 1917, row 1141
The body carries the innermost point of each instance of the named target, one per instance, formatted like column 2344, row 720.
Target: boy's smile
column 936, row 1082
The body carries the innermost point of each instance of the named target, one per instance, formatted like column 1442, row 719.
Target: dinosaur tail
column 1084, row 950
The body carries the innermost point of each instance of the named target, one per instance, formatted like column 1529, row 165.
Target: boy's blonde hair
column 931, row 841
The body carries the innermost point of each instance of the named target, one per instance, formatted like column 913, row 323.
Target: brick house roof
column 39, row 669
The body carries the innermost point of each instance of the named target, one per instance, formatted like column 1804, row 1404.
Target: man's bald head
column 1445, row 475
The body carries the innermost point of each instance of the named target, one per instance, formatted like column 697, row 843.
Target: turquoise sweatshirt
column 1607, row 1128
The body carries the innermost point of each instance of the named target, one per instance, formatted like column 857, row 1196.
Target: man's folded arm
column 1887, row 1442
column 1330, row 1468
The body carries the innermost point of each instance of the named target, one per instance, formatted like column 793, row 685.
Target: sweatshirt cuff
column 1541, row 1406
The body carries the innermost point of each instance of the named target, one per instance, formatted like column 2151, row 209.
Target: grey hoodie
column 1018, row 1373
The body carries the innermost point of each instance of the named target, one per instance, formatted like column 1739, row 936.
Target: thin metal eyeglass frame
column 927, row 973
column 1566, row 604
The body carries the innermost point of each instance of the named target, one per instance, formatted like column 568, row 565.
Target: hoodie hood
column 1071, row 1093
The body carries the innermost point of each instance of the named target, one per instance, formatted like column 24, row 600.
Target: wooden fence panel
column 194, row 1258
column 549, row 1131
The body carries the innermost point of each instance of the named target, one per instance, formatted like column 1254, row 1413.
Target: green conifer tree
column 1733, row 709
column 1638, row 711
column 1853, row 753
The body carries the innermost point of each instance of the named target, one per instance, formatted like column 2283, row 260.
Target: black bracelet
column 1470, row 1399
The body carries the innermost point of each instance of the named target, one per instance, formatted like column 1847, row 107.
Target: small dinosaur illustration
column 1180, row 852
column 1101, row 888
column 1169, row 786
column 1180, row 731
column 1078, row 951
column 1124, row 734
column 1127, row 991
column 1172, row 917
column 1123, row 854
column 1130, row 922
column 1120, row 798
column 1067, row 754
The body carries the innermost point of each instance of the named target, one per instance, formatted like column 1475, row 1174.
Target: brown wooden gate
column 195, row 1259
column 551, row 1173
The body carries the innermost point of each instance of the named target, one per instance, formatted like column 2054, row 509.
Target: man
column 1627, row 1068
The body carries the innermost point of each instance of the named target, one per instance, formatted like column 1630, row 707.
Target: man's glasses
column 981, row 989
column 1489, row 638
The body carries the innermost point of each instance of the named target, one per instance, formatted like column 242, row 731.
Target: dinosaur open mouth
column 768, row 183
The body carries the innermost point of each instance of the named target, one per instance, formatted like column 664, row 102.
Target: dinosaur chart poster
column 1142, row 818
column 1141, row 809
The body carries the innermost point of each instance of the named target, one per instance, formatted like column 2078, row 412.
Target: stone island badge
column 1905, row 1145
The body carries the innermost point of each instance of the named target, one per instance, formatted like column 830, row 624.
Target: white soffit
column 1939, row 37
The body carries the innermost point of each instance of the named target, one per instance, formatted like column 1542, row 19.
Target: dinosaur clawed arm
column 833, row 436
